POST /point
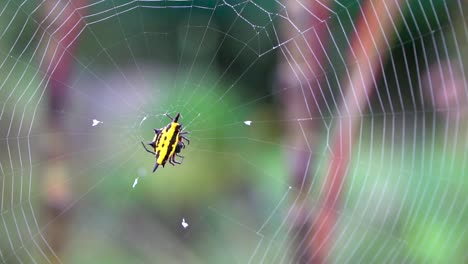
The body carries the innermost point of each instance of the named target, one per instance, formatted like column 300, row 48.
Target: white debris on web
column 141, row 173
column 248, row 122
column 184, row 224
column 96, row 122
column 135, row 182
column 143, row 120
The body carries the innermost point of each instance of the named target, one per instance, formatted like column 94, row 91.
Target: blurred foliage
column 233, row 175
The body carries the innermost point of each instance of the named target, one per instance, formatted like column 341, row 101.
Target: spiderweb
column 246, row 76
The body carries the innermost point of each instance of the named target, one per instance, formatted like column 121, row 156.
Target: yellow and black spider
column 167, row 143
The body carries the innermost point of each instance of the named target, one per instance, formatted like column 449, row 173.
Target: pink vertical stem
column 369, row 46
column 300, row 71
column 58, row 63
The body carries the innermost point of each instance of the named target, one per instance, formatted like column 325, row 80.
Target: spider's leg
column 170, row 162
column 181, row 143
column 175, row 161
column 166, row 114
column 147, row 149
column 178, row 148
column 184, row 133
column 180, row 156
column 157, row 131
column 186, row 139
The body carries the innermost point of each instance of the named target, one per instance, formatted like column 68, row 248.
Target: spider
column 167, row 143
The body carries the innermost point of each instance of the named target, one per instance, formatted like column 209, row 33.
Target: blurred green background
column 216, row 62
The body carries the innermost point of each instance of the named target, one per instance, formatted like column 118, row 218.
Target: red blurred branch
column 369, row 47
column 60, row 52
column 66, row 26
column 301, row 71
